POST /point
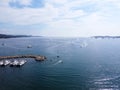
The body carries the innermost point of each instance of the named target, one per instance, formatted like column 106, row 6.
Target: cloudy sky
column 68, row 18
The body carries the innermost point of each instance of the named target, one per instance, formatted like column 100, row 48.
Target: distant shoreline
column 103, row 37
column 5, row 36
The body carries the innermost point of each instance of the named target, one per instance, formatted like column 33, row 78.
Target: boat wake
column 55, row 63
column 58, row 62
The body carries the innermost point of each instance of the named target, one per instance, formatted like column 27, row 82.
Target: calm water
column 84, row 64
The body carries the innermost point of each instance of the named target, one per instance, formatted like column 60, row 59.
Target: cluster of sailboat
column 16, row 63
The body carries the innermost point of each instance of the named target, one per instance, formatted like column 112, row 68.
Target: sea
column 71, row 64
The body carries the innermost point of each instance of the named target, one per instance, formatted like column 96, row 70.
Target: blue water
column 94, row 66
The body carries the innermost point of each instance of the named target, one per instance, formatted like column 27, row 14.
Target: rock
column 40, row 58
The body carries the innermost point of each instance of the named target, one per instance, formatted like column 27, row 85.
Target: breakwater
column 36, row 57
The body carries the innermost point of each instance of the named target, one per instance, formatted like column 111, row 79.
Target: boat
column 22, row 62
column 4, row 62
column 29, row 46
column 18, row 63
column 14, row 63
column 1, row 63
column 84, row 44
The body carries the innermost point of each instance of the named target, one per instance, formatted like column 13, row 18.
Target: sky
column 60, row 18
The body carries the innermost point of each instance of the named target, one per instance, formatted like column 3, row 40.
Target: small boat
column 22, row 62
column 60, row 61
column 29, row 46
column 14, row 63
column 18, row 63
column 4, row 62
column 84, row 44
column 1, row 63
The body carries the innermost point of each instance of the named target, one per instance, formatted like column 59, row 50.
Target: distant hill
column 13, row 36
column 105, row 37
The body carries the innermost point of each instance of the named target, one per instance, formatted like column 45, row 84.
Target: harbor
column 16, row 63
column 4, row 60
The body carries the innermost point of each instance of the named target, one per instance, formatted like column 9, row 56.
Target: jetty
column 36, row 57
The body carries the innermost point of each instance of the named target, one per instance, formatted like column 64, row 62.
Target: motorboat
column 1, row 63
column 4, row 62
column 29, row 46
column 18, row 62
column 14, row 63
column 22, row 62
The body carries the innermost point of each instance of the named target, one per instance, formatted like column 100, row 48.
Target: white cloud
column 93, row 24
column 28, row 16
column 4, row 3
column 22, row 2
column 25, row 2
column 57, row 1
column 73, row 14
column 62, row 19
